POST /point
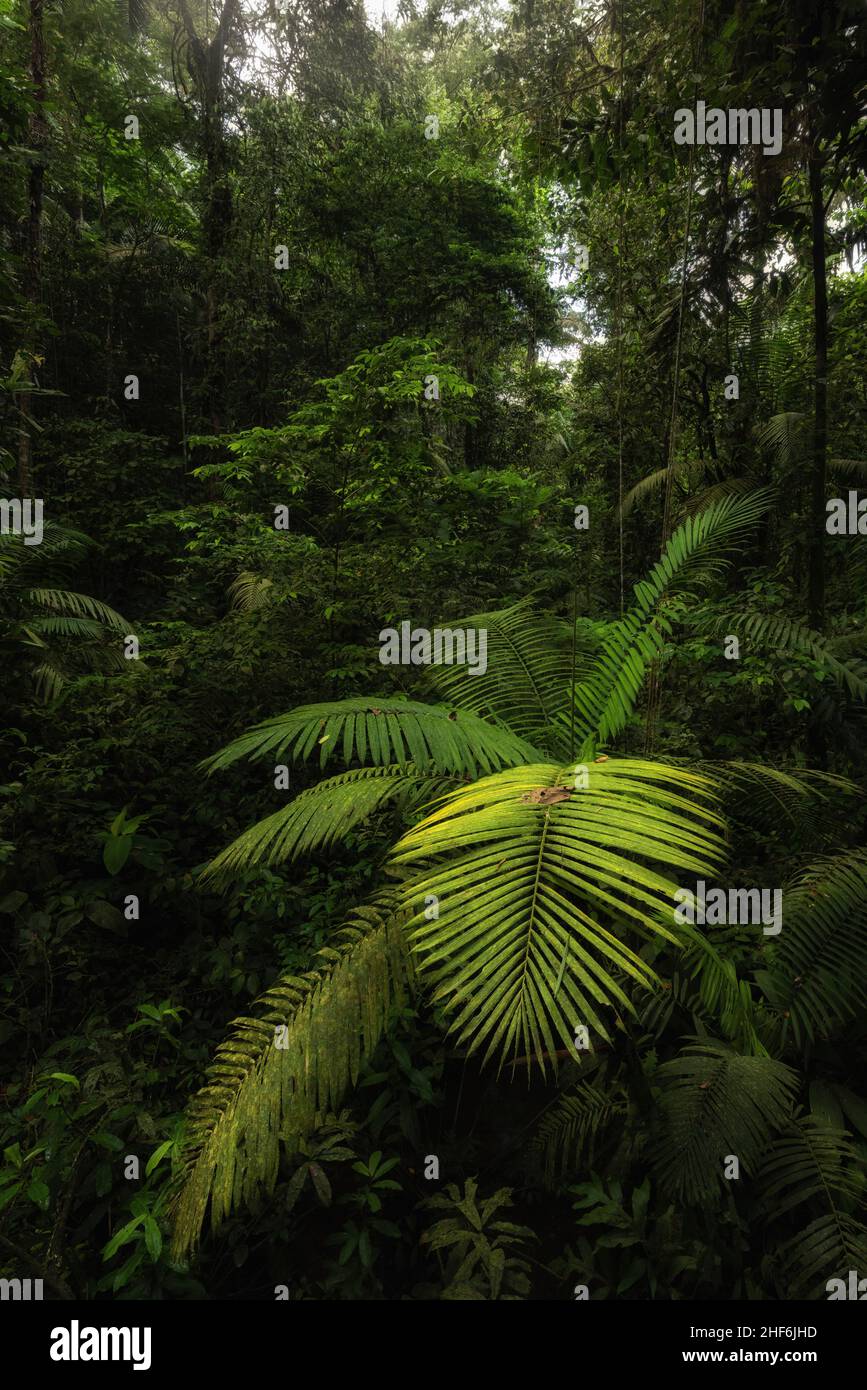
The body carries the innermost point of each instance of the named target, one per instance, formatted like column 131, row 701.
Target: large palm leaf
column 540, row 887
column 381, row 730
column 548, row 878
column 321, row 816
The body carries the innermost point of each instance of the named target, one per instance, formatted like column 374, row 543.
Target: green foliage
column 323, row 815
column 568, row 1134
column 396, row 731
column 269, row 1086
column 715, row 1104
column 605, row 699
column 54, row 626
column 815, row 1167
column 655, row 1256
column 815, row 975
column 529, row 669
column 539, row 884
column 485, row 1256
column 376, row 374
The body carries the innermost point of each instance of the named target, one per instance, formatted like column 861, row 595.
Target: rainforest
column 433, row 652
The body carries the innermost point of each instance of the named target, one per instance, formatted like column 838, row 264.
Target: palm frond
column 538, row 885
column 848, row 468
column 723, row 996
column 381, row 730
column 758, row 794
column 726, row 487
column 64, row 626
column 714, row 1103
column 268, row 1088
column 79, row 606
column 782, row 435
column 60, row 545
column 606, row 698
column 529, row 670
column 655, row 482
column 570, row 1130
column 48, row 679
column 815, row 975
column 763, row 358
column 786, row 635
column 655, row 1011
column 321, row 816
column 814, row 1165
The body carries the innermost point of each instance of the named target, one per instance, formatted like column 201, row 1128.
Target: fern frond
column 266, row 1089
column 714, row 1102
column 815, row 975
column 249, row 592
column 816, row 1165
column 48, row 679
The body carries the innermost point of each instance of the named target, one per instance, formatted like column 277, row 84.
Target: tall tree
column 38, row 135
column 208, row 61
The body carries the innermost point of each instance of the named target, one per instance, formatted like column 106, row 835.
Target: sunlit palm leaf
column 381, row 731
column 322, row 816
column 536, row 901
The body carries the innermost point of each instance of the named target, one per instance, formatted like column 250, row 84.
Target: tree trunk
column 33, row 262
column 207, row 63
column 816, row 550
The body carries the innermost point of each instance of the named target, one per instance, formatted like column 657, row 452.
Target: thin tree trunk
column 208, row 65
column 33, row 267
column 816, row 549
column 181, row 387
